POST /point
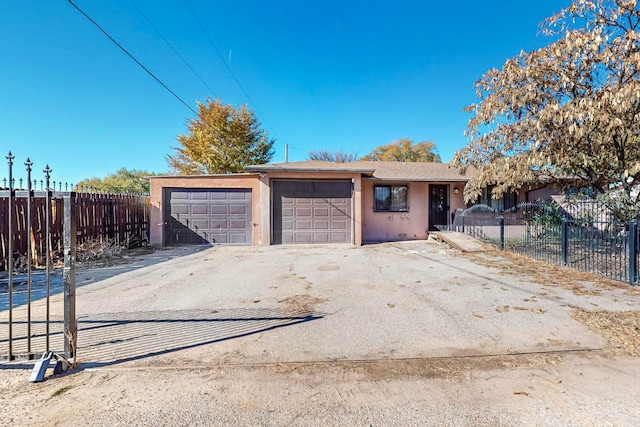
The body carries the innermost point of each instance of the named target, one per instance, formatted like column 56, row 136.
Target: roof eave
column 294, row 169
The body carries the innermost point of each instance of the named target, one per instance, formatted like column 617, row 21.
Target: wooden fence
column 122, row 219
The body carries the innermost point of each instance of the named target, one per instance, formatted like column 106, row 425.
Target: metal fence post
column 28, row 164
column 502, row 233
column 633, row 252
column 69, row 274
column 47, row 249
column 10, row 158
column 463, row 223
column 564, row 241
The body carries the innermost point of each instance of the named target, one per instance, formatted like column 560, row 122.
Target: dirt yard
column 396, row 334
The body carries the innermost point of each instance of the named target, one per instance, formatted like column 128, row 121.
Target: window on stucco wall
column 507, row 201
column 391, row 198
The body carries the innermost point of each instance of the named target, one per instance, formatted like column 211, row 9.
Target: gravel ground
column 406, row 333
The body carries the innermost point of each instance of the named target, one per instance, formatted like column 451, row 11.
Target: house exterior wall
column 251, row 182
column 532, row 194
column 367, row 225
column 411, row 225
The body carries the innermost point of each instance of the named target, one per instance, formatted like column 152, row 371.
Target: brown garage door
column 311, row 212
column 206, row 216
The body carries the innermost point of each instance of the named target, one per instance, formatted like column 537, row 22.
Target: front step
column 460, row 241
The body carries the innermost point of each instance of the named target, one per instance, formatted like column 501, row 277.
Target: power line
column 172, row 48
column 195, row 17
column 134, row 59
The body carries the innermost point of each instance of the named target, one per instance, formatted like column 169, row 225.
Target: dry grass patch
column 547, row 274
column 301, row 304
column 621, row 328
column 533, row 310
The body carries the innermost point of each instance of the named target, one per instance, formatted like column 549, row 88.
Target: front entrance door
column 438, row 206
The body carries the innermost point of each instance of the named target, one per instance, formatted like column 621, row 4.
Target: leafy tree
column 337, row 156
column 569, row 109
column 221, row 139
column 404, row 150
column 122, row 181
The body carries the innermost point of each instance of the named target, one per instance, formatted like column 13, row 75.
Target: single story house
column 310, row 202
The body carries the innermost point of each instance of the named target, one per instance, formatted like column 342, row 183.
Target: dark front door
column 438, row 206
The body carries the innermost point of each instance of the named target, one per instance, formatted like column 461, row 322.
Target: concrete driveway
column 310, row 303
column 394, row 334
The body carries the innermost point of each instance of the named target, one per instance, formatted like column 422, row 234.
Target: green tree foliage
column 339, row 156
column 122, row 181
column 404, row 150
column 569, row 109
column 221, row 139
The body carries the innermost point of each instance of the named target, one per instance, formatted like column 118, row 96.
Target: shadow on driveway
column 110, row 339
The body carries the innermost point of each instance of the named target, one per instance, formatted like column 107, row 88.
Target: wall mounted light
column 455, row 190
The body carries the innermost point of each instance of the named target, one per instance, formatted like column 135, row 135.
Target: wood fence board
column 122, row 218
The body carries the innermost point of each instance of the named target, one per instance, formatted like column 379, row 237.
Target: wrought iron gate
column 27, row 324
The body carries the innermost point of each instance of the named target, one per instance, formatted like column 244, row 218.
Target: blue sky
column 349, row 75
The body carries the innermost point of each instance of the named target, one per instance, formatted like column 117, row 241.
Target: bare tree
column 336, row 156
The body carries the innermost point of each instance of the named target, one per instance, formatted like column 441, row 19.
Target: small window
column 507, row 201
column 391, row 198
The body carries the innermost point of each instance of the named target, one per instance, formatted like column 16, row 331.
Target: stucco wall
column 394, row 226
column 367, row 225
column 260, row 232
column 529, row 194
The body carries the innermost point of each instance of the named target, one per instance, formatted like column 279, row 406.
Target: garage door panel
column 311, row 212
column 287, row 238
column 198, row 216
column 320, row 212
column 199, row 196
column 199, row 224
column 303, row 225
column 238, row 239
column 219, row 209
column 220, row 238
column 287, row 225
column 322, row 238
column 180, row 210
column 338, row 237
column 218, row 195
column 179, row 196
column 200, row 210
column 238, row 210
column 320, row 224
column 237, row 196
column 219, row 224
column 303, row 238
column 238, row 224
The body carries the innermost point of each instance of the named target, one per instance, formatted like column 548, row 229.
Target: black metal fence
column 583, row 235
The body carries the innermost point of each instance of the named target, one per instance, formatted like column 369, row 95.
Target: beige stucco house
column 310, row 202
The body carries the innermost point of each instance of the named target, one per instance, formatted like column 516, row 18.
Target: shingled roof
column 399, row 171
